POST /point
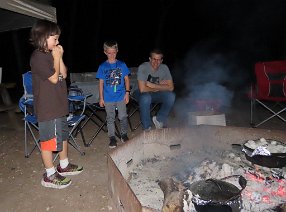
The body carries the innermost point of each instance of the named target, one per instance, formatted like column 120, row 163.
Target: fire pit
column 179, row 151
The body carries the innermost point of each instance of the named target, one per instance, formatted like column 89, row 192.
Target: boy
column 51, row 103
column 114, row 90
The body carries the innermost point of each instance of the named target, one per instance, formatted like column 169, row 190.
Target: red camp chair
column 269, row 91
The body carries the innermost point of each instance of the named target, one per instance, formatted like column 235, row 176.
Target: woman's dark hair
column 41, row 31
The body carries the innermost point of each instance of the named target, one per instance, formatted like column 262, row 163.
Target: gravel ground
column 20, row 177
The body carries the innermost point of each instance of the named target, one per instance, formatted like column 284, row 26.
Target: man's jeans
column 166, row 98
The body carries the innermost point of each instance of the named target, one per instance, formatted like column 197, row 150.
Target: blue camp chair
column 31, row 123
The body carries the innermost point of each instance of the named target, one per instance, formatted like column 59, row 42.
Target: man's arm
column 165, row 85
column 142, row 85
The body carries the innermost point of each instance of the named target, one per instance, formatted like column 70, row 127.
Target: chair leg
column 75, row 145
column 253, row 104
column 96, row 123
column 36, row 141
column 117, row 133
column 80, row 130
column 130, row 114
column 138, row 125
column 152, row 110
column 76, row 128
column 274, row 114
column 95, row 134
column 90, row 117
column 25, row 142
column 82, row 136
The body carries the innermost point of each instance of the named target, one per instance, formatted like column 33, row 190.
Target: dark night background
column 203, row 41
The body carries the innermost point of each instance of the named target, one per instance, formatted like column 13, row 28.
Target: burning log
column 173, row 195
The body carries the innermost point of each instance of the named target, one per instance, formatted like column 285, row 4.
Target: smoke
column 208, row 77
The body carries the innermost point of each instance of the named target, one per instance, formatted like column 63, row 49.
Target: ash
column 260, row 193
column 144, row 179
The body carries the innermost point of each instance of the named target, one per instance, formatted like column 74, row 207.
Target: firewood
column 173, row 195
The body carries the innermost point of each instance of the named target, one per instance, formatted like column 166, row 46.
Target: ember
column 257, row 196
column 200, row 153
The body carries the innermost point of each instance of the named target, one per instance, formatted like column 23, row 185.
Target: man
column 155, row 85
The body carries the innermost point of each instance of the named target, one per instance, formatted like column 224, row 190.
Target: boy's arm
column 127, row 88
column 63, row 69
column 57, row 53
column 100, row 87
column 127, row 83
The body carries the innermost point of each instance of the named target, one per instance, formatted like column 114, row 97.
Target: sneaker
column 55, row 181
column 113, row 142
column 71, row 169
column 158, row 125
column 148, row 129
column 124, row 138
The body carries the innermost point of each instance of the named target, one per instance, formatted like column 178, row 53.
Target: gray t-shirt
column 146, row 73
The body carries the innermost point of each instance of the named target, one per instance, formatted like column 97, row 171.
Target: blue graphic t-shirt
column 113, row 76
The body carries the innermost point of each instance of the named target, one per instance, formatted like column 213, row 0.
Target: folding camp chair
column 269, row 91
column 31, row 123
column 92, row 111
column 26, row 106
column 133, row 107
column 77, row 107
column 77, row 100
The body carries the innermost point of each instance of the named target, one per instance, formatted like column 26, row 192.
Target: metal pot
column 217, row 195
column 274, row 160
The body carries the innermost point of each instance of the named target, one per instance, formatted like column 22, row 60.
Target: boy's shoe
column 124, row 138
column 158, row 125
column 113, row 142
column 55, row 181
column 71, row 169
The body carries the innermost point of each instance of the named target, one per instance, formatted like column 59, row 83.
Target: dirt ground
column 20, row 187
